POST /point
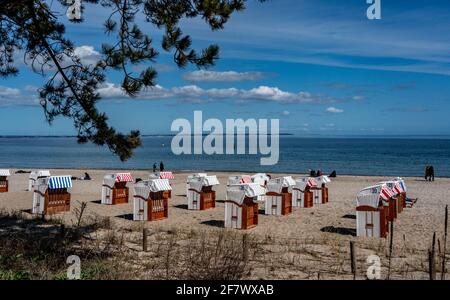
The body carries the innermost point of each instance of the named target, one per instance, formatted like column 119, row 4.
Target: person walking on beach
column 161, row 167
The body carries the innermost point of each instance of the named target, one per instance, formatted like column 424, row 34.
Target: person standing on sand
column 431, row 173
column 154, row 168
column 161, row 167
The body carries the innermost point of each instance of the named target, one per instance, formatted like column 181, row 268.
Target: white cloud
column 9, row 92
column 228, row 76
column 14, row 97
column 114, row 91
column 262, row 93
column 87, row 54
column 191, row 91
column 224, row 93
column 334, row 110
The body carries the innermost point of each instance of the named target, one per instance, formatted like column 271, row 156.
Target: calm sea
column 351, row 156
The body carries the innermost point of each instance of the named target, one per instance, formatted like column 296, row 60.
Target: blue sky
column 320, row 66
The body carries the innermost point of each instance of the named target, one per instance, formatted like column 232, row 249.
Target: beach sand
column 320, row 235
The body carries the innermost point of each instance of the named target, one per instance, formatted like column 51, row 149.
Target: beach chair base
column 243, row 216
column 201, row 201
column 371, row 222
column 3, row 185
column 120, row 195
column 278, row 204
column 56, row 201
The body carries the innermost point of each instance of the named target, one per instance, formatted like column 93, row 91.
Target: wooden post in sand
column 445, row 243
column 432, row 259
column 391, row 246
column 353, row 259
column 144, row 239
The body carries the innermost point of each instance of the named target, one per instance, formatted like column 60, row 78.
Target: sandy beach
column 320, row 235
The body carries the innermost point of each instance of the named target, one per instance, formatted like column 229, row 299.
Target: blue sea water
column 351, row 156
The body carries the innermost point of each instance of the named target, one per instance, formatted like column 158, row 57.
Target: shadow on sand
column 349, row 216
column 128, row 217
column 214, row 223
column 182, row 206
column 339, row 230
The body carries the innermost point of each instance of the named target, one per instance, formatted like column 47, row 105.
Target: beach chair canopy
column 197, row 183
column 402, row 183
column 239, row 179
column 237, row 193
column 4, row 173
column 277, row 184
column 194, row 176
column 111, row 179
column 323, row 180
column 39, row 173
column 304, row 182
column 374, row 195
column 162, row 175
column 144, row 188
column 394, row 186
column 260, row 178
column 59, row 182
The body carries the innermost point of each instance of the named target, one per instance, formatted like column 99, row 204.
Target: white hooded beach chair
column 241, row 207
column 396, row 201
column 114, row 188
column 200, row 194
column 262, row 179
column 163, row 175
column 193, row 178
column 401, row 187
column 4, row 174
column 302, row 196
column 150, row 202
column 320, row 191
column 239, row 179
column 35, row 175
column 372, row 207
column 278, row 199
column 51, row 195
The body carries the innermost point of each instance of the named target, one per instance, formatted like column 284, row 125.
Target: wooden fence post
column 353, row 259
column 445, row 243
column 391, row 246
column 432, row 259
column 144, row 239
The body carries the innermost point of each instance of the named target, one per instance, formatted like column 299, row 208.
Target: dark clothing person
column 319, row 173
column 86, row 176
column 429, row 173
column 312, row 173
column 161, row 167
column 154, row 167
column 333, row 174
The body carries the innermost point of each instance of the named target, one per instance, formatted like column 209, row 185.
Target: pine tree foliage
column 32, row 32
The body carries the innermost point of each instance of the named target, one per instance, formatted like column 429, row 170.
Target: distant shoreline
column 237, row 172
column 413, row 137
